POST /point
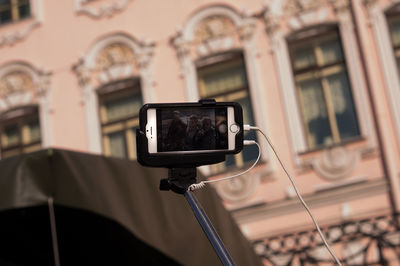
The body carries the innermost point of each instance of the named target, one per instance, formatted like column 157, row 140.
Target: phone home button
column 234, row 128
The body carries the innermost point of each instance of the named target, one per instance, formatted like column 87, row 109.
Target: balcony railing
column 372, row 241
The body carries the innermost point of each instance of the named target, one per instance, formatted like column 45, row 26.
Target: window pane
column 5, row 11
column 398, row 63
column 117, row 144
column 395, row 32
column 12, row 136
column 343, row 105
column 331, row 52
column 34, row 131
column 304, row 58
column 24, row 9
column 219, row 79
column 394, row 25
column 122, row 107
column 315, row 113
column 5, row 3
column 119, row 108
column 20, row 131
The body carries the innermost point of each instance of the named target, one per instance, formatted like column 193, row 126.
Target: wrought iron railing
column 372, row 241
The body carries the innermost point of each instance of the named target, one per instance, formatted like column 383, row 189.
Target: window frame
column 116, row 90
column 314, row 36
column 20, row 117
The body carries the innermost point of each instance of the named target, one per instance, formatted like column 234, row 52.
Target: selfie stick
column 179, row 179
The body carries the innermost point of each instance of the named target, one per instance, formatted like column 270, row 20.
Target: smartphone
column 192, row 129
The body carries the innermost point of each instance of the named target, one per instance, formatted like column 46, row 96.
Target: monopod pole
column 208, row 229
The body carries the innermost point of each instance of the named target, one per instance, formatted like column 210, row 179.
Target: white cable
column 203, row 183
column 247, row 127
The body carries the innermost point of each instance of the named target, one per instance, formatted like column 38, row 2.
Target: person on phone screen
column 192, row 131
column 176, row 133
column 205, row 139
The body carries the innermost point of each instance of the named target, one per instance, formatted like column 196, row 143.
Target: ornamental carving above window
column 298, row 6
column 115, row 54
column 20, row 85
column 15, row 82
column 100, row 8
column 214, row 27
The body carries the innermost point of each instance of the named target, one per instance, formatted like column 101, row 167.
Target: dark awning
column 107, row 211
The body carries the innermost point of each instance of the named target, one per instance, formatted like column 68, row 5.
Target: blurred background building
column 321, row 78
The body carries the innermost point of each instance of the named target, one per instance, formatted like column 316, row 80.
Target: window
column 20, row 132
column 394, row 27
column 323, row 89
column 13, row 10
column 224, row 78
column 119, row 109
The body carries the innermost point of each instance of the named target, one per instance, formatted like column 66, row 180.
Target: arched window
column 24, row 109
column 116, row 77
column 218, row 56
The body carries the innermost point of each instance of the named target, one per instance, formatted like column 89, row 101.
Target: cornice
column 106, row 9
column 325, row 196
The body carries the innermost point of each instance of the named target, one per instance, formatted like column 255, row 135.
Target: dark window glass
column 14, row 10
column 394, row 28
column 5, row 11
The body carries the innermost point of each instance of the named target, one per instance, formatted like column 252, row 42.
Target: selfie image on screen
column 191, row 129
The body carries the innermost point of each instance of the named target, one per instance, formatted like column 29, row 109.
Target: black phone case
column 184, row 160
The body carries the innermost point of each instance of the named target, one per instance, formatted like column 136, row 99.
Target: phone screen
column 192, row 129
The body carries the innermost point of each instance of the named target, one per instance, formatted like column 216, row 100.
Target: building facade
column 321, row 78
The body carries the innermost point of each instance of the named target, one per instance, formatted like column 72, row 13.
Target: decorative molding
column 112, row 58
column 343, row 192
column 295, row 7
column 94, row 9
column 219, row 29
column 336, row 162
column 308, row 19
column 369, row 3
column 22, row 85
column 272, row 22
column 340, row 5
column 27, row 25
column 239, row 188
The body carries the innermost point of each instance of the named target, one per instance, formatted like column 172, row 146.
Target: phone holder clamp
column 179, row 179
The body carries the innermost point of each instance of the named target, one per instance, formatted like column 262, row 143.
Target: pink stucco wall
column 64, row 36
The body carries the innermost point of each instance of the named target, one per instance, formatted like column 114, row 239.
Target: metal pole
column 50, row 202
column 208, row 229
